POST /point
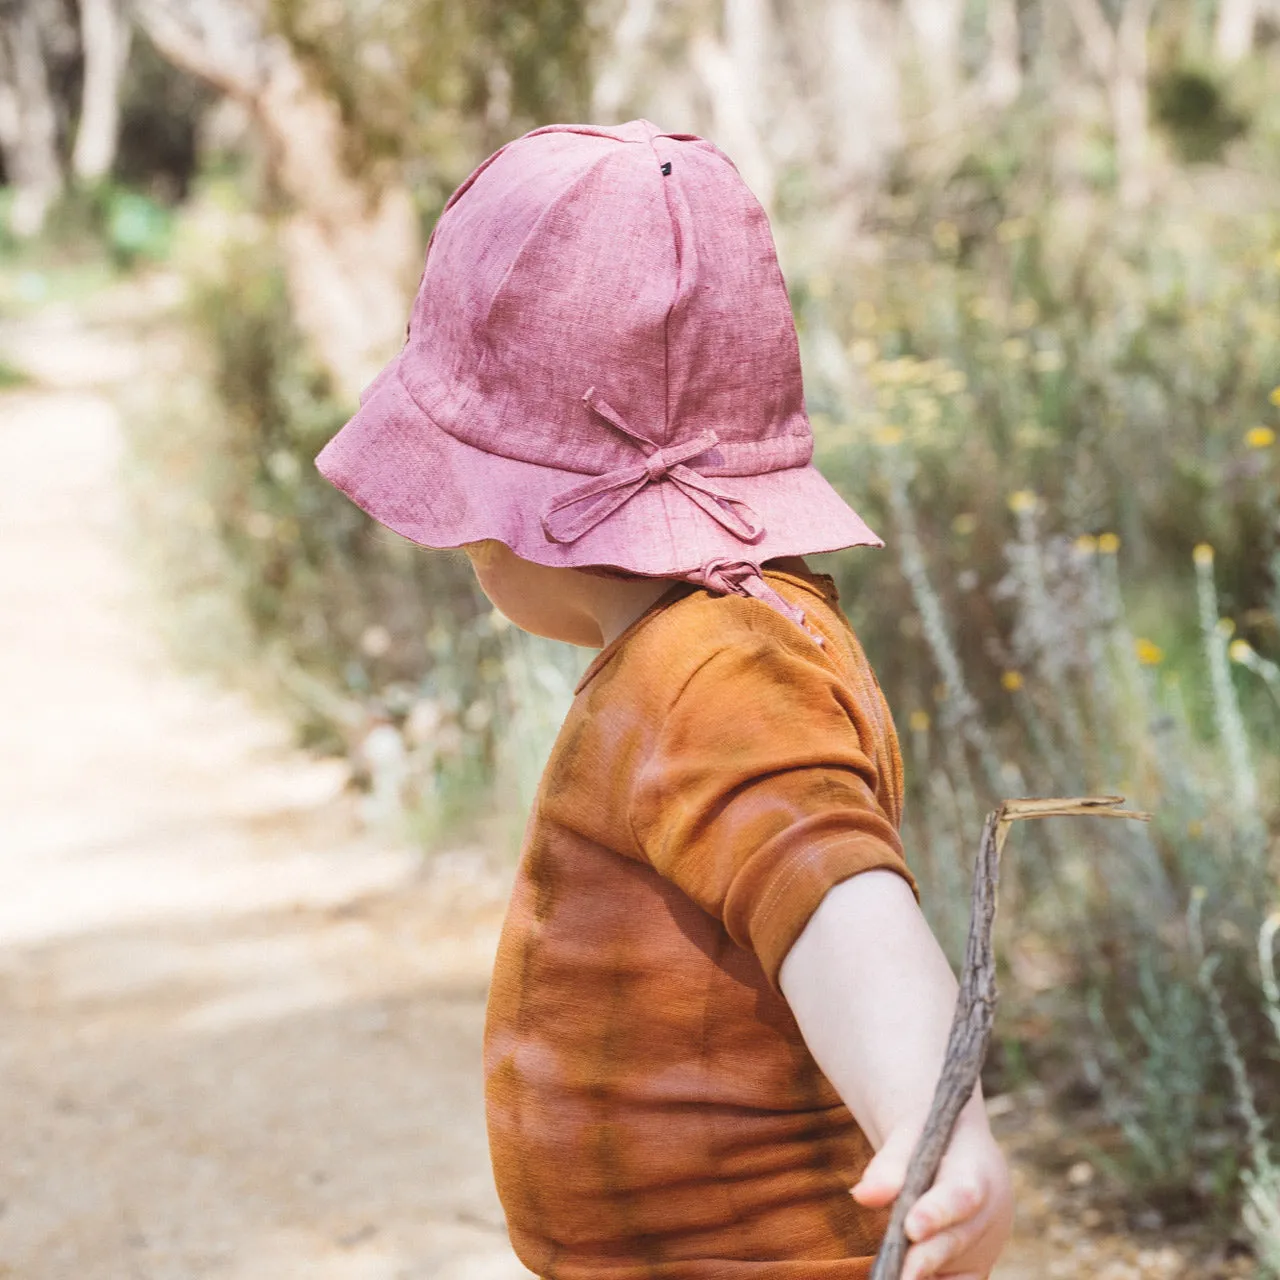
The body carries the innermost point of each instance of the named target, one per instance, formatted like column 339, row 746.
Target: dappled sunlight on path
column 241, row 1038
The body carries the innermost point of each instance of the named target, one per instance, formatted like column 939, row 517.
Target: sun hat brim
column 396, row 463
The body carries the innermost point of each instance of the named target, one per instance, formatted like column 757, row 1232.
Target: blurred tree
column 1118, row 56
column 28, row 114
column 362, row 109
column 805, row 97
column 1002, row 75
column 934, row 31
column 1234, row 31
column 351, row 236
column 104, row 42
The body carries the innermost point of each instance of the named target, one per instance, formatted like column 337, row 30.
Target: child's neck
column 618, row 603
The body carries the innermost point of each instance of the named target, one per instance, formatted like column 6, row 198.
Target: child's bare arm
column 874, row 996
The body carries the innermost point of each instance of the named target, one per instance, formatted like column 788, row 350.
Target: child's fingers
column 931, row 1257
column 945, row 1205
column 882, row 1179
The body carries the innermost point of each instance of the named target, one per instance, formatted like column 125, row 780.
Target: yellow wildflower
column 1195, row 828
column 1023, row 501
column 1240, row 651
column 1026, row 313
column 1226, row 628
column 982, row 308
column 1012, row 680
column 926, row 410
column 1259, row 438
column 1108, row 543
column 946, row 235
column 1203, row 554
column 964, row 524
column 919, row 721
column 1149, row 653
column 1031, row 435
column 1014, row 349
column 1086, row 544
column 1012, row 229
column 889, row 437
column 1275, row 396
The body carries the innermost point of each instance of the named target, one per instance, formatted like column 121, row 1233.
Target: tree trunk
column 734, row 72
column 352, row 251
column 619, row 68
column 1234, row 30
column 1002, row 77
column 1128, row 93
column 104, row 40
column 352, row 243
column 859, row 87
column 1119, row 59
column 935, row 26
column 28, row 119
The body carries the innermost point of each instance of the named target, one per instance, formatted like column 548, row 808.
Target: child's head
column 601, row 370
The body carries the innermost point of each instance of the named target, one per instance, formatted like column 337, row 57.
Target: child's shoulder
column 697, row 633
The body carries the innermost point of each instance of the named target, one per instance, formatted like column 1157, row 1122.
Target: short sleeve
column 772, row 778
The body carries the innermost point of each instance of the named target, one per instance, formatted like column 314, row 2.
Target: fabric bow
column 616, row 487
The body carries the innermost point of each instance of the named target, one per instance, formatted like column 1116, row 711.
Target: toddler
column 717, row 1016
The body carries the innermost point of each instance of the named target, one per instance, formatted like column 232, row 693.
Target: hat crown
column 624, row 259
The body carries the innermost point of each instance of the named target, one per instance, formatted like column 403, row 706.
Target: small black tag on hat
column 666, row 168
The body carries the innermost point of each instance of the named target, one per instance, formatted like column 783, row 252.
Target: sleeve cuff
column 801, row 884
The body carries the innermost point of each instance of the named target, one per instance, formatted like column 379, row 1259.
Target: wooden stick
column 975, row 1011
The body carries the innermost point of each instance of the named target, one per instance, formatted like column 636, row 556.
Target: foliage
column 437, row 86
column 91, row 234
column 1193, row 105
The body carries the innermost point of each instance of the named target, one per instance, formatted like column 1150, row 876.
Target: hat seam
column 677, row 245
column 560, row 197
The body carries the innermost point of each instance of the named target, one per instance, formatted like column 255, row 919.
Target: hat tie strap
column 744, row 578
column 614, row 488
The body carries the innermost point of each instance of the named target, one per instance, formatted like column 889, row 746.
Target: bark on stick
column 975, row 1011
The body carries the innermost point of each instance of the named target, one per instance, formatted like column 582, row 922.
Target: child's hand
column 960, row 1225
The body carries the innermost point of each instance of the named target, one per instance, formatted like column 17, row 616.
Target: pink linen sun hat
column 601, row 369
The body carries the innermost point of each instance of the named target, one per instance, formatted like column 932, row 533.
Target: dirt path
column 240, row 1038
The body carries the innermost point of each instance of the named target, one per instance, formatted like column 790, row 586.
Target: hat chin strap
column 614, row 488
column 744, row 578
